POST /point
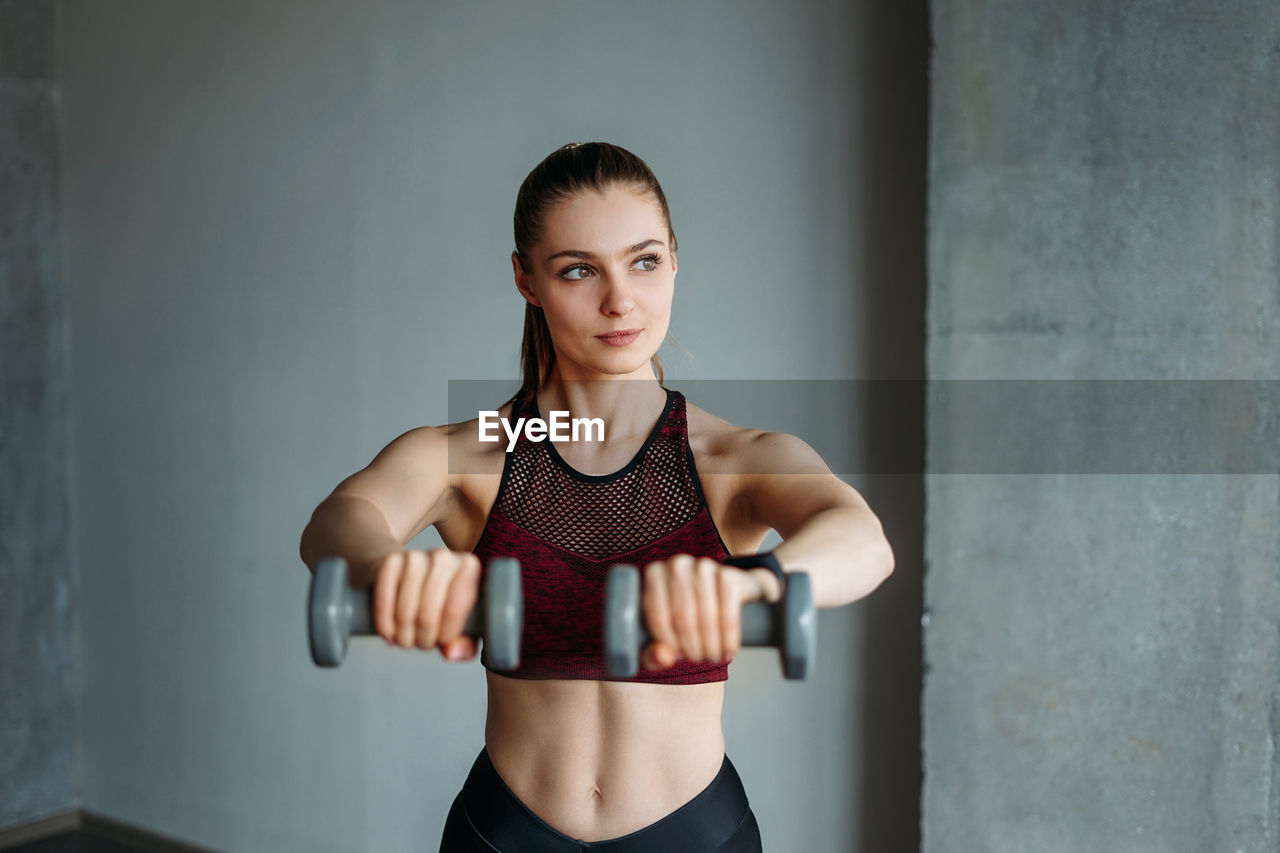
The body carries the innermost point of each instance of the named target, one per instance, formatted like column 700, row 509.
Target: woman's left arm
column 691, row 605
column 827, row 529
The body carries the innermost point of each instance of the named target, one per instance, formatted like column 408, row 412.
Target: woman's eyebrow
column 586, row 256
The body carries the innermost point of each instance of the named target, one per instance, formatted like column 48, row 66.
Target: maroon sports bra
column 568, row 528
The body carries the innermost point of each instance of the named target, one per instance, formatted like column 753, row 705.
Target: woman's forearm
column 844, row 551
column 352, row 528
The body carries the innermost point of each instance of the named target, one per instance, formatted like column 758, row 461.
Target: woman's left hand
column 693, row 608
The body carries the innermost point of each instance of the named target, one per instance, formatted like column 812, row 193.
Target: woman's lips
column 620, row 339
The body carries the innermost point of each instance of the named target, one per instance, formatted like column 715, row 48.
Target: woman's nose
column 618, row 299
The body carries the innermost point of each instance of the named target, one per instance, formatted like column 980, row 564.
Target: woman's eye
column 648, row 263
column 577, row 273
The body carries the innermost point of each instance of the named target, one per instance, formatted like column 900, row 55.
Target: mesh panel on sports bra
column 568, row 528
column 604, row 516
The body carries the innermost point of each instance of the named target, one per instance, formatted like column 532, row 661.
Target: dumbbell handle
column 336, row 612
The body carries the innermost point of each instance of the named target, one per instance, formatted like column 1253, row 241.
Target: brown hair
column 567, row 171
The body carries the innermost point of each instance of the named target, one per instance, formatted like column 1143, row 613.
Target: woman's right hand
column 421, row 599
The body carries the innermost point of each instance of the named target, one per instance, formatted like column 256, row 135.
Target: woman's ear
column 522, row 281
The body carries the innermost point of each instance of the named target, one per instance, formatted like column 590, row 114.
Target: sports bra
column 568, row 528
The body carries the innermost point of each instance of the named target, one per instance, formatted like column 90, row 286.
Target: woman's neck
column 628, row 407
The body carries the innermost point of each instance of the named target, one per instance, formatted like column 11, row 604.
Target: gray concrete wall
column 38, row 753
column 1103, row 651
column 288, row 227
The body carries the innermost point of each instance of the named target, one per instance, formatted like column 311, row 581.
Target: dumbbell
column 791, row 625
column 336, row 612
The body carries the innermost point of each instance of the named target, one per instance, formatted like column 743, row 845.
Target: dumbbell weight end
column 799, row 638
column 333, row 612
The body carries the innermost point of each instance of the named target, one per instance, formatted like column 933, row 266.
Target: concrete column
column 1103, row 650
column 38, row 756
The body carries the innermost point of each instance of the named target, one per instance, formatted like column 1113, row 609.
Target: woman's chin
column 616, row 368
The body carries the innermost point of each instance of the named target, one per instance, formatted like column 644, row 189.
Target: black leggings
column 487, row 816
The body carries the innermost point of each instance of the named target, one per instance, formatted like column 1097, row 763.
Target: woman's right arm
column 350, row 526
column 375, row 511
column 421, row 599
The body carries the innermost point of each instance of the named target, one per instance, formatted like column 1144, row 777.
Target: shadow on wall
column 893, row 108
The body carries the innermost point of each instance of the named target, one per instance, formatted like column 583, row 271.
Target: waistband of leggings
column 705, row 822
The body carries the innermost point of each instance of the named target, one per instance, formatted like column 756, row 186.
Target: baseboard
column 99, row 825
column 136, row 836
column 38, row 829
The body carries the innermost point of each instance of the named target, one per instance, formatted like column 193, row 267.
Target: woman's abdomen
column 599, row 759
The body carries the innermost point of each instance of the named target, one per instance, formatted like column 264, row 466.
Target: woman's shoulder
column 715, row 433
column 455, row 447
column 719, row 445
column 726, row 447
column 473, row 427
column 477, row 445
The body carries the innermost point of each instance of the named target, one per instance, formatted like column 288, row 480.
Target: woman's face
column 604, row 275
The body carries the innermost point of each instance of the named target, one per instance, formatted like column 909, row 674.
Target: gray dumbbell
column 336, row 612
column 791, row 625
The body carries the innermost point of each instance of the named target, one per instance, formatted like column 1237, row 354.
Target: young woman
column 573, row 759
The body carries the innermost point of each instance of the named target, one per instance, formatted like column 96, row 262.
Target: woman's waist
column 597, row 759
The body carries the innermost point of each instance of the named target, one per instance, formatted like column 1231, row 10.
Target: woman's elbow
column 878, row 556
column 885, row 559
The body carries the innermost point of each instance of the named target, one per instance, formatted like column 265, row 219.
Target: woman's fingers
column 693, row 609
column 685, row 610
column 409, row 596
column 386, row 589
column 435, row 587
column 707, row 580
column 460, row 597
column 664, row 649
column 732, row 594
column 421, row 599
